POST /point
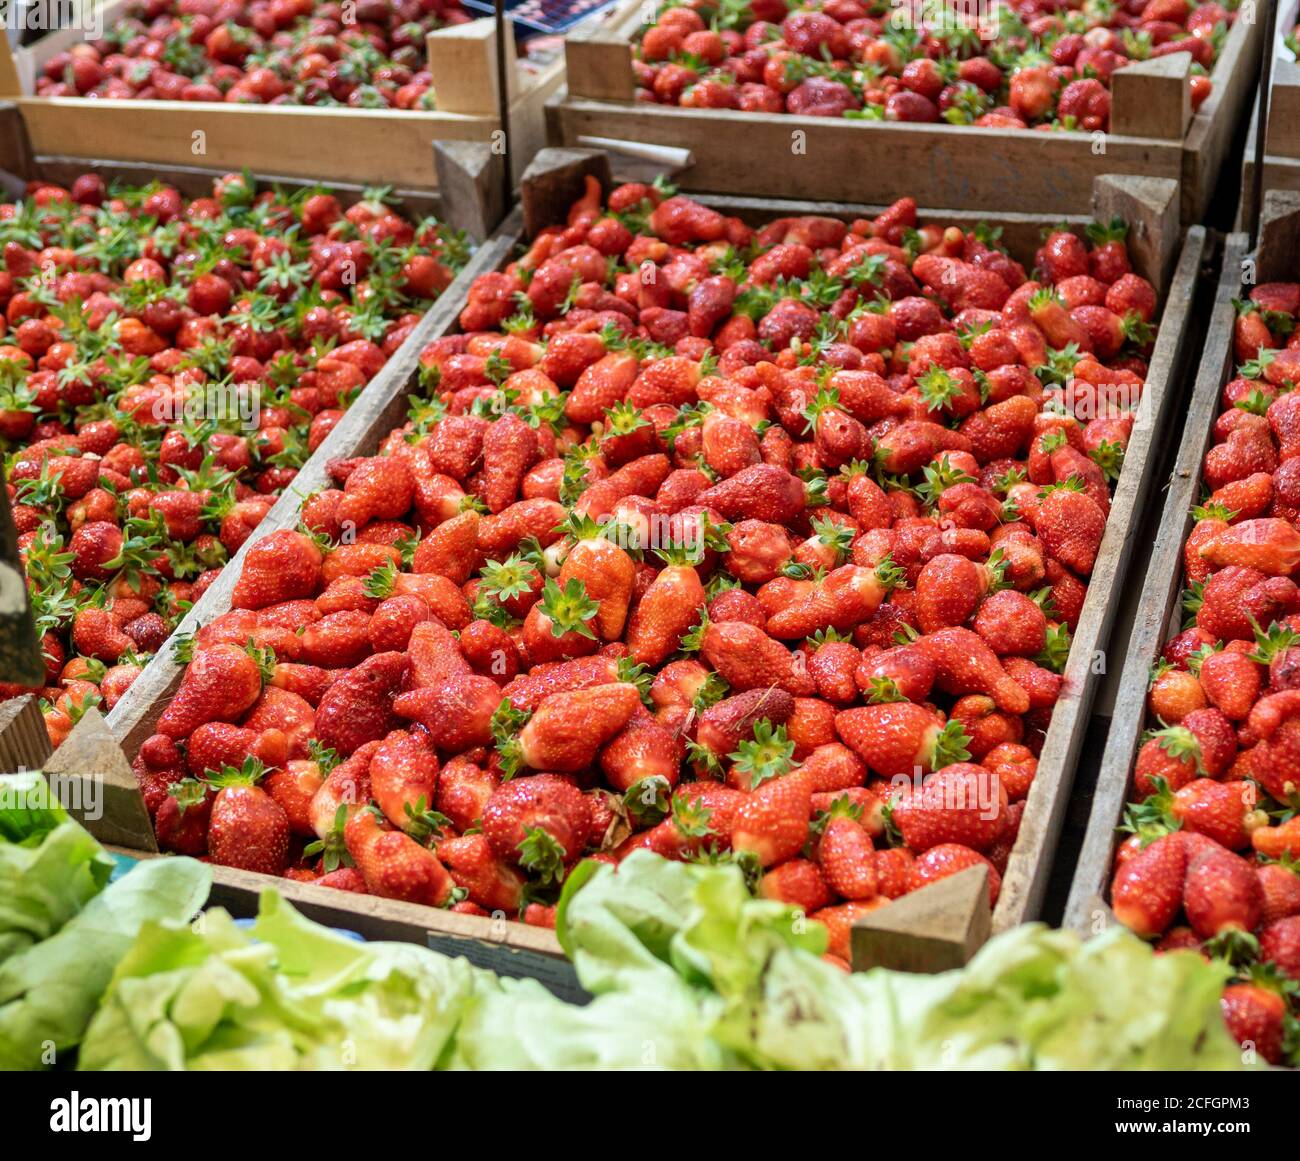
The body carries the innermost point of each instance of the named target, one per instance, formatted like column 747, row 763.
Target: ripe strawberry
column 509, row 449
column 1071, row 526
column 1221, row 893
column 961, row 803
column 1256, row 1016
column 219, row 685
column 759, row 492
column 1279, row 943
column 899, row 738
column 1279, row 884
column 247, row 828
column 358, row 707
column 666, row 611
column 747, row 658
column 1147, row 890
column 965, row 664
column 949, row 859
column 772, row 821
column 797, row 883
column 456, row 711
column 281, row 566
column 1276, row 842
column 181, row 822
column 568, row 729
column 404, row 781
column 394, row 865
column 848, row 859
column 490, row 882
column 606, row 573
column 294, row 787
column 722, row 727
column 643, row 749
column 541, row 823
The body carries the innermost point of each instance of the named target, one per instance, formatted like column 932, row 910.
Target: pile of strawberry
column 368, row 54
column 710, row 540
column 1040, row 65
column 165, row 368
column 1213, row 860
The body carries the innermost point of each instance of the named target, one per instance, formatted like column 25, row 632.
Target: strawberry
column 1279, row 944
column 965, row 664
column 568, row 729
column 294, row 787
column 1071, row 526
column 451, row 549
column 1256, row 1016
column 949, row 859
column 1147, row 890
column 759, row 492
column 181, row 822
column 404, row 780
column 1279, row 884
column 1268, row 545
column 896, row 739
column 642, row 750
column 247, row 828
column 722, row 727
column 358, row 707
column 848, row 859
column 281, row 566
column 509, row 449
column 772, row 821
column 379, row 488
column 961, row 803
column 747, row 658
column 606, row 573
column 666, row 611
column 798, row 883
column 541, row 823
column 1221, row 893
column 394, row 865
column 489, row 881
column 456, row 711
column 219, row 685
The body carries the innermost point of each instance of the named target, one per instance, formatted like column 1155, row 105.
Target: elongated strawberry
column 760, row 492
column 772, row 821
column 509, row 450
column 848, row 858
column 848, row 596
column 747, row 658
column 1272, row 546
column 568, row 729
column 456, row 710
column 1147, row 891
column 965, row 664
column 404, row 782
column 280, row 567
column 393, row 864
column 1071, row 527
column 451, row 549
column 606, row 573
column 666, row 611
column 1256, row 1015
column 722, row 727
column 900, row 738
column 358, row 707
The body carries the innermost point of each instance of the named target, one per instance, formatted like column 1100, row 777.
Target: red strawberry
column 282, row 566
column 760, row 492
column 899, row 738
column 219, row 685
column 772, row 821
column 643, row 749
column 848, row 859
column 404, row 781
column 394, row 865
column 509, row 450
column 247, row 828
column 358, row 707
column 490, row 882
column 1221, row 893
column 181, row 823
column 965, row 664
column 294, row 788
column 949, row 859
column 379, row 488
column 666, row 611
column 457, row 711
column 1147, row 891
column 541, row 823
column 747, row 658
column 1279, row 943
column 568, row 729
column 797, row 883
column 1071, row 527
column 1256, row 1016
column 961, row 803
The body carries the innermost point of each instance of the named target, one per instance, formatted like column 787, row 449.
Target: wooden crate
column 1277, row 258
column 948, row 919
column 1154, row 133
column 371, row 146
column 1281, row 147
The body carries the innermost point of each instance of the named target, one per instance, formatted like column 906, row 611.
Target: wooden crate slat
column 1160, row 613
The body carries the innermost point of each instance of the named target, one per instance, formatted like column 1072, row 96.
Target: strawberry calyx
column 1178, row 742
column 569, row 609
column 332, row 849
column 249, row 774
column 187, row 792
column 712, row 690
column 1270, row 643
column 1056, row 648
column 543, row 855
column 882, row 691
column 506, row 579
column 423, row 823
column 648, row 800
column 950, row 744
column 769, row 754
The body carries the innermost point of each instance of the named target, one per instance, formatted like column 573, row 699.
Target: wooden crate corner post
column 1283, row 135
column 1153, row 98
column 1150, row 206
column 462, row 62
column 470, row 182
column 97, row 786
column 554, row 180
column 936, row 929
column 598, row 56
column 24, row 741
column 1279, row 236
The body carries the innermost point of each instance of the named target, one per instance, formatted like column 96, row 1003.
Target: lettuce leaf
column 50, row 868
column 49, row 992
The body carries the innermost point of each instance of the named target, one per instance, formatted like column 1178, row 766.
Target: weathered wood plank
column 1160, row 613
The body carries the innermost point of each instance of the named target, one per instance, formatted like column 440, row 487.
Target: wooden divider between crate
column 1161, row 615
column 24, row 740
column 1283, row 136
column 1153, row 133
